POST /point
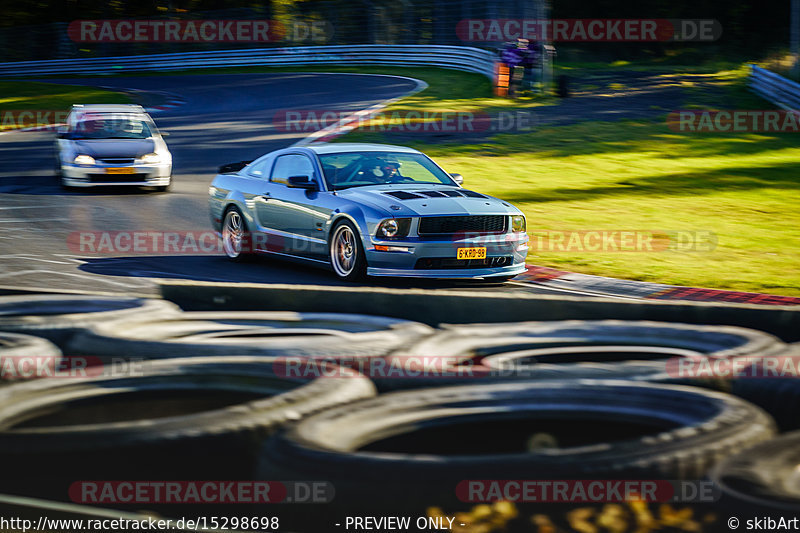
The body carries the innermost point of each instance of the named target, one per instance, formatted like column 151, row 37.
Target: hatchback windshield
column 357, row 169
column 112, row 127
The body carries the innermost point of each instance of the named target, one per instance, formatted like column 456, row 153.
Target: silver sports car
column 366, row 209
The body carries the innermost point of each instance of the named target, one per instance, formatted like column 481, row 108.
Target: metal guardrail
column 780, row 91
column 453, row 57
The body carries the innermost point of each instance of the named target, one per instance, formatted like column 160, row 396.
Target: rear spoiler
column 231, row 168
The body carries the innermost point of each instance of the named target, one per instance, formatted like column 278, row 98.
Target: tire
column 235, row 236
column 776, row 389
column 25, row 357
column 348, row 267
column 165, row 419
column 58, row 317
column 569, row 349
column 288, row 334
column 762, row 480
column 377, row 452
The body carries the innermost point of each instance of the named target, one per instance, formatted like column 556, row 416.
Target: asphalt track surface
column 225, row 118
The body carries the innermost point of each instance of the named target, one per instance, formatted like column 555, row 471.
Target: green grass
column 26, row 95
column 640, row 175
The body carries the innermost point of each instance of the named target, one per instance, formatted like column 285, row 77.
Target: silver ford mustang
column 366, row 209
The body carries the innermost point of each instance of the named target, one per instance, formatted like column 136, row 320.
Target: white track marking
column 571, row 291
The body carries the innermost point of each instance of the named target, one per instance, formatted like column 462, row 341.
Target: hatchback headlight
column 518, row 223
column 394, row 227
column 84, row 160
column 151, row 158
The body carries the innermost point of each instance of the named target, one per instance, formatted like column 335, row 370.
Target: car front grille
column 117, row 178
column 117, row 160
column 462, row 224
column 442, row 263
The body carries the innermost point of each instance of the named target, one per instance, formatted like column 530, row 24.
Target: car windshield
column 112, row 127
column 357, row 169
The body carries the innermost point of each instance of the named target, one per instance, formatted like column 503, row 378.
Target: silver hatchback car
column 112, row 145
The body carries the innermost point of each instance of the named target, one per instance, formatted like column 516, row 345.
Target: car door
column 287, row 212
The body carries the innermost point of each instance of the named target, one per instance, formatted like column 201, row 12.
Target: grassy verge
column 640, row 175
column 32, row 96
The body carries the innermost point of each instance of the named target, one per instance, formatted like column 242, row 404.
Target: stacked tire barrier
column 398, row 417
column 571, row 349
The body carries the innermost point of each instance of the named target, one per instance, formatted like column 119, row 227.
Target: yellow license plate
column 123, row 170
column 471, row 253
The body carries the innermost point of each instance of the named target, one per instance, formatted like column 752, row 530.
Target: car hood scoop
column 449, row 193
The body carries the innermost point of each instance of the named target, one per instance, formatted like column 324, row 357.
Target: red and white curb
column 602, row 286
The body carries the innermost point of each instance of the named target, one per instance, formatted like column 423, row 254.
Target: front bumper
column 424, row 257
column 472, row 273
column 157, row 175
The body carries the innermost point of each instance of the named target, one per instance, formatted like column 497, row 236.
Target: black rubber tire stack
column 59, row 317
column 762, row 481
column 611, row 349
column 200, row 418
column 329, row 336
column 406, row 451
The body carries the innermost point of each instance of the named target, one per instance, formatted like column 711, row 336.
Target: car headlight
column 84, row 160
column 151, row 158
column 518, row 223
column 394, row 227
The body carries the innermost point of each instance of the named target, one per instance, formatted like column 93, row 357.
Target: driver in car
column 387, row 170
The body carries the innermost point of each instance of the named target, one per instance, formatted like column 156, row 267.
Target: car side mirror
column 458, row 178
column 302, row 182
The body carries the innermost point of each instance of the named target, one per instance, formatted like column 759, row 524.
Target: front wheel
column 346, row 252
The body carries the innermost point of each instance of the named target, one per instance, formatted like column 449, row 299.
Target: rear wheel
column 347, row 253
column 234, row 235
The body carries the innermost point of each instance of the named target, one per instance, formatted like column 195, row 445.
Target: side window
column 260, row 168
column 291, row 165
